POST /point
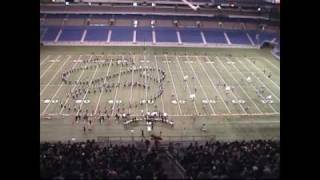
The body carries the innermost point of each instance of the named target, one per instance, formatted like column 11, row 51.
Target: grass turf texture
column 209, row 67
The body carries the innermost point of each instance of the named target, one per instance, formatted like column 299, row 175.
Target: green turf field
column 208, row 70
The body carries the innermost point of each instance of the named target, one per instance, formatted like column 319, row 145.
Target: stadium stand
column 88, row 160
column 238, row 31
column 238, row 37
column 144, row 22
column 61, row 16
column 231, row 25
column 72, row 33
column 50, row 34
column 214, row 36
column 164, row 23
column 256, row 159
column 121, row 34
column 210, row 24
column 74, row 22
column 259, row 37
column 144, row 34
column 251, row 26
column 53, row 22
column 100, row 16
column 42, row 32
column 99, row 21
column 78, row 16
column 123, row 22
column 166, row 34
column 96, row 33
column 190, row 35
column 187, row 23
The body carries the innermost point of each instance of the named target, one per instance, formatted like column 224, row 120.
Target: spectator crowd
column 258, row 159
column 89, row 160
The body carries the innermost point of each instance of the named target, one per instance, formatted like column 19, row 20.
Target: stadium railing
column 165, row 139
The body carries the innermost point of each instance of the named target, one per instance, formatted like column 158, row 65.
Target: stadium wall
column 150, row 44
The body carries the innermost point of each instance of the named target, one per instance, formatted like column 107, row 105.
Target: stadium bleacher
column 260, row 37
column 100, row 16
column 121, row 34
column 166, row 34
column 96, row 33
column 165, row 31
column 78, row 16
column 214, row 36
column 212, row 32
column 238, row 37
column 144, row 34
column 190, row 35
column 56, row 16
column 257, row 159
column 149, row 159
column 50, row 34
column 73, row 33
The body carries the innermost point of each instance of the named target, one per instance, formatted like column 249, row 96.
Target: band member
column 246, row 108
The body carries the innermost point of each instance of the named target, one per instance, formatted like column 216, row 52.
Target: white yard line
column 259, row 80
column 55, row 85
column 45, row 59
column 226, row 83
column 74, row 86
column 174, row 87
column 190, row 115
column 212, row 84
column 130, row 99
column 115, row 96
column 202, row 89
column 239, row 85
column 255, row 122
column 259, row 70
column 55, row 74
column 254, row 88
column 55, row 94
column 85, row 95
column 49, row 67
column 104, row 81
column 159, row 81
column 268, row 61
column 145, row 82
column 194, row 103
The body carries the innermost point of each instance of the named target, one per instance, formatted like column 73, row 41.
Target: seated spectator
column 89, row 160
column 236, row 160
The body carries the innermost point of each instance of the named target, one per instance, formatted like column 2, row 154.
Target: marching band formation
column 105, row 85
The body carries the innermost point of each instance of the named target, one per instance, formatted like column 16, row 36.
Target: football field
column 235, row 92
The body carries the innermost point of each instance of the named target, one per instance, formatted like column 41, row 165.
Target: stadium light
column 259, row 9
column 219, row 7
column 135, row 4
column 67, row 3
column 89, row 3
column 153, row 4
column 53, row 0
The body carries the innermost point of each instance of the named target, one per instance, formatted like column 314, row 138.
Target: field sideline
column 208, row 70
